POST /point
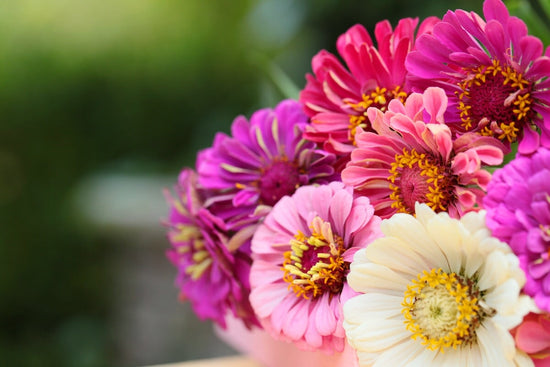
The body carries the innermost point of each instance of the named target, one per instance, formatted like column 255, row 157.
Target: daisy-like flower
column 411, row 157
column 213, row 265
column 336, row 98
column 264, row 159
column 518, row 213
column 436, row 291
column 494, row 73
column 301, row 256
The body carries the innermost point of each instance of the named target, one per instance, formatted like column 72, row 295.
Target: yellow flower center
column 315, row 265
column 443, row 309
column 378, row 97
column 419, row 177
column 495, row 101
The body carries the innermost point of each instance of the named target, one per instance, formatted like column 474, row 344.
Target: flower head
column 265, row 159
column 494, row 73
column 436, row 291
column 411, row 157
column 518, row 213
column 213, row 268
column 337, row 98
column 301, row 255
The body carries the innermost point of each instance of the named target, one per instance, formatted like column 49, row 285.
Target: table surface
column 236, row 361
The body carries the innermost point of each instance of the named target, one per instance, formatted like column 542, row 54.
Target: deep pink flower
column 264, row 159
column 533, row 337
column 336, row 98
column 518, row 213
column 411, row 157
column 213, row 263
column 301, row 255
column 494, row 73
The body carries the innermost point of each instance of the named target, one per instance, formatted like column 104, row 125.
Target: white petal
column 363, row 307
column 448, row 235
column 494, row 272
column 496, row 344
column 371, row 277
column 400, row 355
column 398, row 256
column 409, row 230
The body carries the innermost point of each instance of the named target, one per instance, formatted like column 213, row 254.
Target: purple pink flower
column 494, row 73
column 302, row 253
column 264, row 159
column 518, row 213
column 411, row 157
column 336, row 98
column 213, row 263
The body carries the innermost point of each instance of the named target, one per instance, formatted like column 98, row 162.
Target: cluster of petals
column 375, row 322
column 518, row 212
column 212, row 265
column 313, row 323
column 508, row 68
column 532, row 336
column 418, row 126
column 336, row 97
column 264, row 159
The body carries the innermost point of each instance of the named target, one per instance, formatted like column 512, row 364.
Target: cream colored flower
column 436, row 291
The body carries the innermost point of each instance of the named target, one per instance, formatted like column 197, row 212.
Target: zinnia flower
column 213, row 266
column 494, row 73
column 533, row 337
column 518, row 213
column 436, row 291
column 264, row 159
column 337, row 99
column 301, row 256
column 411, row 157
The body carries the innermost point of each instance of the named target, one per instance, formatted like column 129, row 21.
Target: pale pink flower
column 301, row 256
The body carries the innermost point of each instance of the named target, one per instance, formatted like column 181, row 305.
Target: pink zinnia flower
column 213, row 264
column 533, row 337
column 264, row 159
column 518, row 213
column 494, row 73
column 411, row 157
column 302, row 254
column 336, row 98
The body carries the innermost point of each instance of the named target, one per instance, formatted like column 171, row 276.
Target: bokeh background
column 101, row 104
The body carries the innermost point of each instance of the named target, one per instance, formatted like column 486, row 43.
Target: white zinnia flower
column 437, row 292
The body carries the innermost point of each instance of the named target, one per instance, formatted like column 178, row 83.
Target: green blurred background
column 101, row 104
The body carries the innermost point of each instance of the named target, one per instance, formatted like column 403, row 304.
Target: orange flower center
column 379, row 98
column 315, row 265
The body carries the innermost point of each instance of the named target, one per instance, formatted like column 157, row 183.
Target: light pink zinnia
column 411, row 157
column 337, row 99
column 301, row 256
column 494, row 73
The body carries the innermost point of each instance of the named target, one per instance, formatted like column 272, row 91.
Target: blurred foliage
column 130, row 86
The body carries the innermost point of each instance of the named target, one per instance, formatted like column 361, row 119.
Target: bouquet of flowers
column 398, row 213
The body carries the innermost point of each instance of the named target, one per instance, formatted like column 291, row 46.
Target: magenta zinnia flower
column 213, row 266
column 407, row 159
column 494, row 73
column 302, row 254
column 518, row 213
column 337, row 99
column 264, row 159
